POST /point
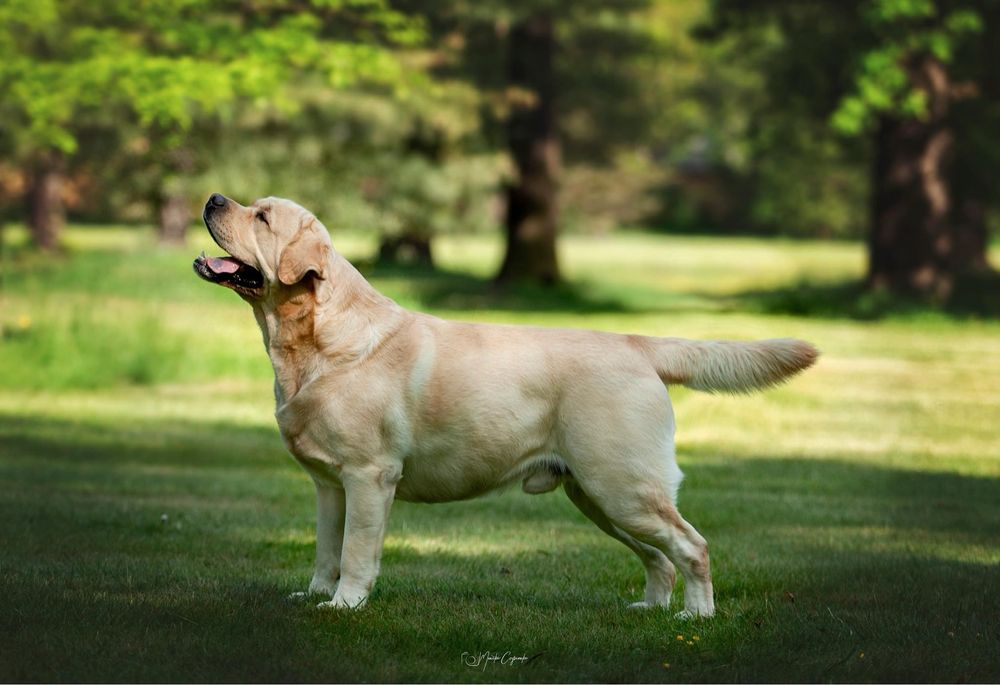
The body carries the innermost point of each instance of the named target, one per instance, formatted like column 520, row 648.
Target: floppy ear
column 305, row 253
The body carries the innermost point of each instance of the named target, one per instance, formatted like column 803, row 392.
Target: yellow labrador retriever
column 377, row 402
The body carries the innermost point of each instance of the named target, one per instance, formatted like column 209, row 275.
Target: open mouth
column 230, row 272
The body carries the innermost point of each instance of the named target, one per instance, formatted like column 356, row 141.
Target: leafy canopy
column 164, row 63
column 901, row 29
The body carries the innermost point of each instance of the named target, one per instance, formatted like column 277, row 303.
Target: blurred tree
column 905, row 89
column 435, row 177
column 762, row 156
column 977, row 145
column 558, row 82
column 165, row 68
column 533, row 141
column 429, row 187
column 889, row 71
column 406, row 167
column 44, row 203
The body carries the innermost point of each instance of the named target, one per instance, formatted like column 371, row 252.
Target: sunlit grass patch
column 63, row 347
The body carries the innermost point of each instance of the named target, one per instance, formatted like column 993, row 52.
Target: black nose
column 216, row 200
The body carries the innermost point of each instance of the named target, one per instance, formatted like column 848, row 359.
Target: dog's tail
column 727, row 365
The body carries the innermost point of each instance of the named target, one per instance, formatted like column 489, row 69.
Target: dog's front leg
column 369, row 497
column 330, row 502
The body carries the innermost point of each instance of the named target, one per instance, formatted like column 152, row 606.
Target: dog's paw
column 688, row 614
column 646, row 604
column 320, row 586
column 343, row 601
column 316, row 587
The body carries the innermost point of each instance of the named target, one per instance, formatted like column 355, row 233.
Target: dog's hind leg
column 622, row 455
column 649, row 515
column 668, row 531
column 660, row 574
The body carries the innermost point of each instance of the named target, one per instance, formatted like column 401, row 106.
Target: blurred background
column 873, row 120
column 697, row 168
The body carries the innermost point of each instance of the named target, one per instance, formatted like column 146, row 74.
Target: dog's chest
column 317, row 459
column 327, row 429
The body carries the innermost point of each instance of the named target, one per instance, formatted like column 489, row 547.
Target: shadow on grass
column 58, row 629
column 176, row 443
column 976, row 296
column 822, row 493
column 816, row 563
column 443, row 289
column 181, row 455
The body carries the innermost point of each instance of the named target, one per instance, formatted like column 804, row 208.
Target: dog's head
column 272, row 244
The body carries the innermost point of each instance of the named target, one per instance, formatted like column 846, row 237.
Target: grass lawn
column 151, row 523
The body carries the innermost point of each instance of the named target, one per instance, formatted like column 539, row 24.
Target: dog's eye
column 263, row 217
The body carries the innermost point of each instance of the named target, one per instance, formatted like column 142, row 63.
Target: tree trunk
column 46, row 213
column 409, row 248
column 920, row 238
column 971, row 236
column 172, row 203
column 413, row 246
column 174, row 217
column 972, row 187
column 532, row 219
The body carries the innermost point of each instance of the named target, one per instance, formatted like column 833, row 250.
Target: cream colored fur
column 377, row 403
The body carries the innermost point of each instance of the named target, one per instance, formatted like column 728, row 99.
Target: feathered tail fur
column 728, row 365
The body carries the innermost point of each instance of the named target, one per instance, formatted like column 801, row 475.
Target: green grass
column 152, row 523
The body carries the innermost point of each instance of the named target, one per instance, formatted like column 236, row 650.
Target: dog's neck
column 319, row 326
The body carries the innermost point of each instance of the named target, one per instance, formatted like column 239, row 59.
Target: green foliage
column 365, row 160
column 422, row 197
column 901, row 29
column 748, row 96
column 422, row 164
column 391, row 116
column 828, row 72
column 806, row 183
column 165, row 64
column 607, row 60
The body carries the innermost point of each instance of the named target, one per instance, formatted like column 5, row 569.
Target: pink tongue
column 223, row 265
